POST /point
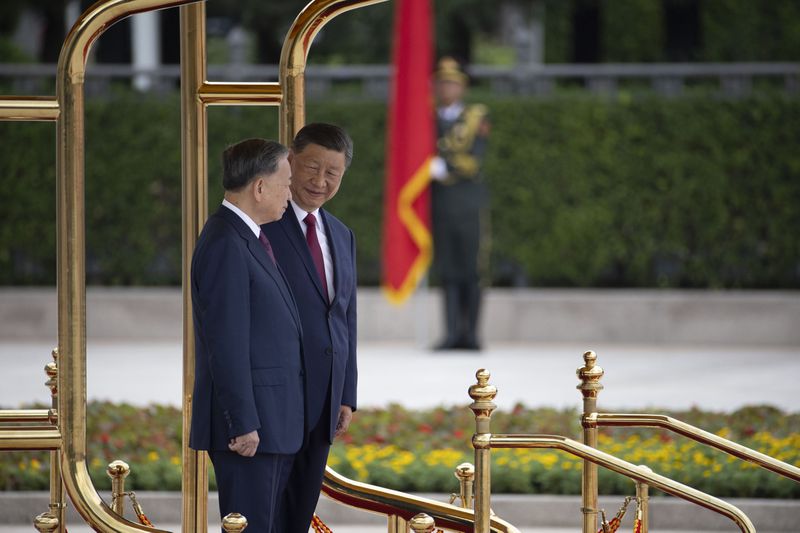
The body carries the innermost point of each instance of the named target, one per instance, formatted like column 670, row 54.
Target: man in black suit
column 248, row 408
column 318, row 254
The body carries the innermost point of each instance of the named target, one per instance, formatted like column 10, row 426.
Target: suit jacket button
column 328, row 350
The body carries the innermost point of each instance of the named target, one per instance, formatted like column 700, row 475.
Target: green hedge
column 586, row 191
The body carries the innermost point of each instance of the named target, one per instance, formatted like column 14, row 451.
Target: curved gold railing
column 637, row 473
column 294, row 56
column 687, row 430
column 483, row 393
column 71, row 256
column 400, row 507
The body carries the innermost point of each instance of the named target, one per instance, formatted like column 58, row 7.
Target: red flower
column 425, row 428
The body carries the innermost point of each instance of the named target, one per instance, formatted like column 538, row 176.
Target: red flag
column 407, row 247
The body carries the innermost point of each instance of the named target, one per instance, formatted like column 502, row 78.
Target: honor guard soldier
column 459, row 200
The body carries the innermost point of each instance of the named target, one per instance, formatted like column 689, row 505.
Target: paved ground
column 720, row 378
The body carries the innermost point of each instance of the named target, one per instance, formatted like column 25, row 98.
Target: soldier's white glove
column 438, row 169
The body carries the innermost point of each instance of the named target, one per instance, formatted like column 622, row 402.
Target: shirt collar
column 301, row 214
column 247, row 220
column 451, row 112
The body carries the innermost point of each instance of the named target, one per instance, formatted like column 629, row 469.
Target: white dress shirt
column 247, row 220
column 322, row 237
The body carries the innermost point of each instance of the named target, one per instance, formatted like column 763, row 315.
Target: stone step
column 528, row 512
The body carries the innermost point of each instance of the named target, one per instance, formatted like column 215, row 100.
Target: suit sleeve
column 223, row 289
column 351, row 376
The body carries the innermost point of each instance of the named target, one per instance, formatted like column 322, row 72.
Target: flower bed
column 418, row 451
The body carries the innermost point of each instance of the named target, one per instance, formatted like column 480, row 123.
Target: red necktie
column 316, row 251
column 267, row 246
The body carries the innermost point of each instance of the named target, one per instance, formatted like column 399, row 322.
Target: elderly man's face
column 449, row 92
column 316, row 175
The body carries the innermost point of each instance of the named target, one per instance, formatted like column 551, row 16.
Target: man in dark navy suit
column 248, row 408
column 318, row 254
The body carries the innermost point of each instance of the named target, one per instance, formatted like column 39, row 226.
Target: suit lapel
column 335, row 247
column 260, row 255
column 291, row 226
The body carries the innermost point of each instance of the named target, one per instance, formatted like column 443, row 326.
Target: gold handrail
column 625, row 468
column 28, row 108
column 294, row 55
column 24, row 415
column 30, row 438
column 699, row 435
column 394, row 504
column 71, row 255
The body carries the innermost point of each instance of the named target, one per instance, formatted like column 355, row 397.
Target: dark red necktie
column 267, row 246
column 316, row 252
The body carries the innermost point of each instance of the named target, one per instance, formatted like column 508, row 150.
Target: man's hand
column 345, row 416
column 245, row 445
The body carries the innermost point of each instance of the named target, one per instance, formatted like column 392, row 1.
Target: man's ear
column 259, row 188
column 290, row 156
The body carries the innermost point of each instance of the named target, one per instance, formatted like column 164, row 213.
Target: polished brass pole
column 118, row 471
column 465, row 473
column 71, row 256
column 194, row 172
column 27, row 108
column 643, row 502
column 590, row 375
column 57, row 503
column 482, row 394
column 294, row 55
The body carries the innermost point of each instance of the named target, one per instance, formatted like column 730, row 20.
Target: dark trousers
column 305, row 480
column 253, row 486
column 461, row 306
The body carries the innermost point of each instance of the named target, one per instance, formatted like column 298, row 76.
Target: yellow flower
column 152, row 456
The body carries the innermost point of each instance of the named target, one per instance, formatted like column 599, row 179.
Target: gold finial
column 51, row 370
column 118, row 469
column 465, row 471
column 45, row 522
column 590, row 375
column 422, row 523
column 482, row 392
column 234, row 522
column 54, row 353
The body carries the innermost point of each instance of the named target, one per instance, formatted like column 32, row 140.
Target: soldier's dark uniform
column 458, row 203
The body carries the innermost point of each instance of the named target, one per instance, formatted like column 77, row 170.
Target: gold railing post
column 465, row 473
column 234, row 522
column 590, row 375
column 118, row 471
column 482, row 394
column 422, row 523
column 397, row 524
column 643, row 502
column 57, row 503
column 46, row 523
column 194, row 173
